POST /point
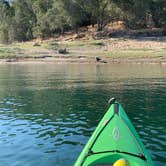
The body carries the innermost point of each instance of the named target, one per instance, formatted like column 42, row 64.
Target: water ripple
column 48, row 112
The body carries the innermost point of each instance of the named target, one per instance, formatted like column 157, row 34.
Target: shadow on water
column 47, row 113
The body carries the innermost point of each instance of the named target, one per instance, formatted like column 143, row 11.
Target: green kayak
column 115, row 138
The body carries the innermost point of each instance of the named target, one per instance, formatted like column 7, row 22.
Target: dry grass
column 115, row 47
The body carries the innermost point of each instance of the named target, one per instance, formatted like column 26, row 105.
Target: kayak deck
column 114, row 138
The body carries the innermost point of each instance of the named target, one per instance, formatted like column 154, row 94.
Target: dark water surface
column 48, row 111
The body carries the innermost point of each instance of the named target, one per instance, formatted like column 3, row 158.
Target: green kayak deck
column 114, row 138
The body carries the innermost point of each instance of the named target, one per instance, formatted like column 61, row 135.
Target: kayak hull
column 114, row 138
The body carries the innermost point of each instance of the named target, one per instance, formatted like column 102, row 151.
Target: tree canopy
column 22, row 20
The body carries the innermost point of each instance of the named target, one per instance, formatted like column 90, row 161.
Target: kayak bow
column 114, row 138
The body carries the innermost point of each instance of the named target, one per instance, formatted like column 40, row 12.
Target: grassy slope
column 113, row 48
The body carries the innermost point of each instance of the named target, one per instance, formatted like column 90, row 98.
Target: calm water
column 48, row 111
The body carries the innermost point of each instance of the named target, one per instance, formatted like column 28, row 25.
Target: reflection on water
column 48, row 112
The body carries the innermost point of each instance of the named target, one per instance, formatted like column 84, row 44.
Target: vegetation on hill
column 22, row 20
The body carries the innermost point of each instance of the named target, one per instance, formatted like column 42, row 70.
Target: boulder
column 63, row 51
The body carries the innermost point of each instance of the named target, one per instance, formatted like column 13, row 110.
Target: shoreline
column 84, row 60
column 103, row 51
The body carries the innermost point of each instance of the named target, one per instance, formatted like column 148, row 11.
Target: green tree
column 24, row 20
column 134, row 12
column 158, row 11
column 98, row 11
column 76, row 12
column 58, row 18
column 42, row 27
column 102, row 12
column 57, row 15
column 6, row 14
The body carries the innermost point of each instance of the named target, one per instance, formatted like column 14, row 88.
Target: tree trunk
column 62, row 30
column 76, row 29
column 100, row 23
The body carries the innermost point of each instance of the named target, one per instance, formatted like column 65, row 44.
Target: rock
column 36, row 44
column 103, row 61
column 63, row 51
column 98, row 59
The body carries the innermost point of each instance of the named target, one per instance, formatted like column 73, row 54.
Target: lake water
column 48, row 111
